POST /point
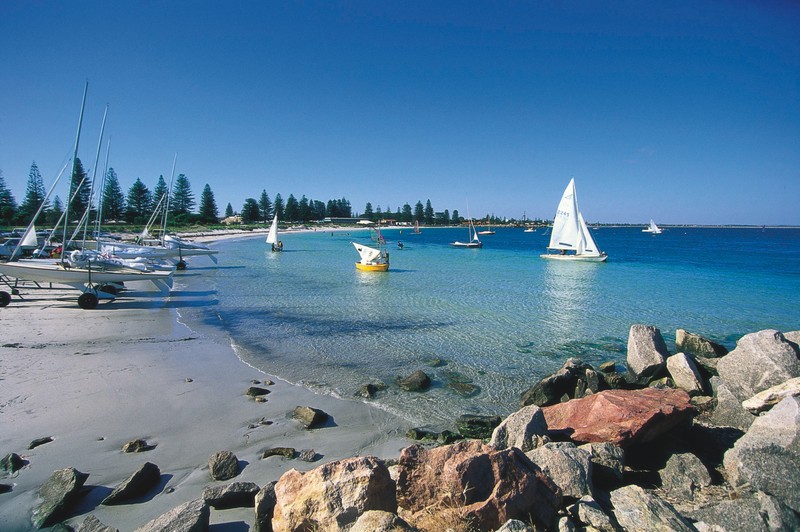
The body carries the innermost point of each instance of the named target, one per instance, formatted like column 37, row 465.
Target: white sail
column 367, row 253
column 566, row 232
column 474, row 232
column 29, row 238
column 589, row 247
column 272, row 236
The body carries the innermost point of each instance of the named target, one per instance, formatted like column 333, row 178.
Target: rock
column 369, row 391
column 622, row 417
column 223, row 465
column 334, row 495
column 683, row 475
column 525, row 429
column 608, row 462
column 256, row 391
column 308, row 455
column 233, row 495
column 309, row 417
column 768, row 456
column 57, row 495
column 380, row 521
column 566, row 465
column 696, row 345
column 39, row 441
column 765, row 400
column 11, row 463
column 707, row 366
column 761, row 360
column 647, row 354
column 286, row 452
column 685, row 374
column 476, row 484
column 93, row 524
column 751, row 512
column 728, row 410
column 572, row 380
column 588, row 512
column 421, row 434
column 138, row 484
column 6, row 488
column 637, row 509
column 514, row 525
column 478, row 427
column 608, row 367
column 419, row 381
column 192, row 516
column 137, row 446
column 265, row 505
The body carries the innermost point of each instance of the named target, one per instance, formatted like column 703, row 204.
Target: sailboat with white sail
column 652, row 228
column 272, row 236
column 473, row 242
column 570, row 238
column 372, row 259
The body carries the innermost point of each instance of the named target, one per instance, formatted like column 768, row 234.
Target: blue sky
column 685, row 112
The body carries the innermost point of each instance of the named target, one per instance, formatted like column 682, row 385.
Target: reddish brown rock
column 332, row 496
column 621, row 417
column 474, row 483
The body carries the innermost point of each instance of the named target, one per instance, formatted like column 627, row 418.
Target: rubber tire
column 87, row 301
column 108, row 289
column 181, row 266
column 5, row 299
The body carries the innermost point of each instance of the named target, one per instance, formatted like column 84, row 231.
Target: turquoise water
column 498, row 318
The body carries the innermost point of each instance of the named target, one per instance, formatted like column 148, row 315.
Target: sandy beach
column 94, row 380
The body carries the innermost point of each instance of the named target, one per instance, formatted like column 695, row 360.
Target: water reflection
column 568, row 293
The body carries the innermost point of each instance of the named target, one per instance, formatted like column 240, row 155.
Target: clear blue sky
column 685, row 112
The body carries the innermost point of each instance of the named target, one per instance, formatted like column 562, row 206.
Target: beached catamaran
column 570, row 239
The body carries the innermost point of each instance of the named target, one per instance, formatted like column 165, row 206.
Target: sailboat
column 474, row 241
column 488, row 230
column 416, row 227
column 652, row 228
column 570, row 239
column 272, row 236
column 372, row 259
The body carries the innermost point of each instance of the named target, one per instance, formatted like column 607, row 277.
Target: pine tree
column 455, row 218
column 182, row 197
column 250, row 211
column 291, row 211
column 55, row 212
column 83, row 184
column 368, row 212
column 428, row 212
column 8, row 206
column 113, row 198
column 208, row 206
column 34, row 196
column 407, row 216
column 265, row 206
column 228, row 210
column 277, row 207
column 139, row 203
column 419, row 212
column 161, row 190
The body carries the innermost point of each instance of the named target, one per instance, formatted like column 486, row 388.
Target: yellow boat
column 375, row 267
column 372, row 260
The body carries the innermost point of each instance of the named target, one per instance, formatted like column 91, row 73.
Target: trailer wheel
column 181, row 265
column 87, row 301
column 5, row 299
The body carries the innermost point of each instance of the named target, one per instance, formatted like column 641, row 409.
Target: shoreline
column 95, row 380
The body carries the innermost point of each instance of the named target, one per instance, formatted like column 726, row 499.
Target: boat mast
column 166, row 205
column 72, row 177
column 101, row 198
column 94, row 176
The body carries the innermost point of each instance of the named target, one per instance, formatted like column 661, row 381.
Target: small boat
column 272, row 236
column 529, row 230
column 372, row 260
column 488, row 230
column 416, row 227
column 652, row 228
column 474, row 241
column 570, row 239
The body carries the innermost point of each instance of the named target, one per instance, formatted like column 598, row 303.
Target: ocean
column 487, row 323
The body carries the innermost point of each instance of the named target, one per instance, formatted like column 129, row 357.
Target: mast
column 71, row 177
column 94, row 175
column 166, row 204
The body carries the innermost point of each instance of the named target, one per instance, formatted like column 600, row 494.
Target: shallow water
column 493, row 320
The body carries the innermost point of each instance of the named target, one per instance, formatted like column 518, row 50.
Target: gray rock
column 525, row 429
column 696, row 345
column 565, row 524
column 39, row 441
column 608, row 461
column 683, row 475
column 707, row 366
column 256, row 391
column 647, row 354
column 751, row 512
column 379, row 521
column 572, row 380
column 265, row 502
column 728, row 410
column 309, row 417
column 793, row 337
column 765, row 400
column 515, row 525
column 233, row 495
column 308, row 455
column 637, row 509
column 223, row 465
column 566, row 465
column 685, row 374
column 137, row 446
column 138, row 484
column 93, row 524
column 369, row 391
column 478, row 427
column 761, row 360
column 57, row 495
column 587, row 511
column 11, row 463
column 192, row 516
column 419, row 381
column 286, row 452
column 767, row 457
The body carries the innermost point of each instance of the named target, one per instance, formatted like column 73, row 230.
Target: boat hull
column 467, row 244
column 380, row 267
column 575, row 258
column 53, row 272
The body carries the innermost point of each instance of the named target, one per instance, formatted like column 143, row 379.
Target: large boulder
column 223, row 465
column 334, row 495
column 757, row 512
column 761, row 360
column 476, row 484
column 380, row 521
column 696, row 345
column 568, row 466
column 637, row 509
column 608, row 462
column 138, row 484
column 685, row 374
column 683, row 475
column 768, row 456
column 93, row 524
column 265, row 502
column 621, row 417
column 763, row 401
column 419, row 381
column 192, row 516
column 309, row 417
column 525, row 429
column 728, row 410
column 647, row 354
column 57, row 495
column 233, row 495
column 573, row 380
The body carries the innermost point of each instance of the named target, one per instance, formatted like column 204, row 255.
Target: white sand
column 93, row 380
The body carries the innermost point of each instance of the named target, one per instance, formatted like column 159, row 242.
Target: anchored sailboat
column 570, row 238
column 652, row 228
